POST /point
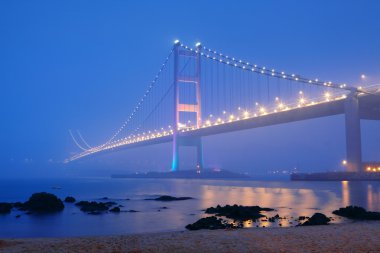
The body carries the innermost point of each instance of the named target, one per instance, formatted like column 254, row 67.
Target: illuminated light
column 224, row 112
column 284, row 76
column 262, row 71
column 344, row 162
column 281, row 105
column 246, row 114
column 239, row 108
column 327, row 95
column 302, row 101
column 262, row 110
column 232, row 117
column 219, row 119
column 208, row 122
column 310, row 81
column 211, row 116
column 277, row 99
column 296, row 79
column 198, row 44
column 300, row 92
column 176, row 42
column 368, row 168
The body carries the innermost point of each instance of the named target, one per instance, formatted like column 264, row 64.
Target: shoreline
column 356, row 236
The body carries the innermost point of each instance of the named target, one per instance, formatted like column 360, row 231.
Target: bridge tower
column 353, row 133
column 186, row 107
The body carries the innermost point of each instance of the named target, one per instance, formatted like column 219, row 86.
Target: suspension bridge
column 199, row 92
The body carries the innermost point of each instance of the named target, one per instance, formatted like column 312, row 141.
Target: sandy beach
column 349, row 237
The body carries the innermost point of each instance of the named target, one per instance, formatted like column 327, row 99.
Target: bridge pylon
column 353, row 133
column 187, row 107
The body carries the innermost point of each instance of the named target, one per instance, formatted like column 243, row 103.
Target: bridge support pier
column 189, row 142
column 353, row 133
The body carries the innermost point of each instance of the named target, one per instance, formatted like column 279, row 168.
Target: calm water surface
column 290, row 199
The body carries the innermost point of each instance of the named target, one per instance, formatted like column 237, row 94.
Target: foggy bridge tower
column 181, row 108
column 353, row 133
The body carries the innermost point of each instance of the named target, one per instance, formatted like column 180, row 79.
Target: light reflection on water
column 290, row 199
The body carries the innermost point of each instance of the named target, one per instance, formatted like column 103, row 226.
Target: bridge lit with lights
column 236, row 95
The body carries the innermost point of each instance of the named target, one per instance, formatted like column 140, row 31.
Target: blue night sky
column 84, row 64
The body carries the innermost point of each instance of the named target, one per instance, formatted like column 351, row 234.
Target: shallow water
column 290, row 199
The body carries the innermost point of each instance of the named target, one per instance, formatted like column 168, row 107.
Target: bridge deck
column 369, row 109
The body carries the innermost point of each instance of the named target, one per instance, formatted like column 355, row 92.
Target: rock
column 357, row 213
column 44, row 202
column 317, row 219
column 110, row 203
column 274, row 218
column 115, row 209
column 238, row 212
column 5, row 208
column 92, row 207
column 302, row 218
column 170, row 198
column 70, row 199
column 19, row 205
column 207, row 223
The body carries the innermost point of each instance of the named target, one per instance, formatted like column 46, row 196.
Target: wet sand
column 348, row 237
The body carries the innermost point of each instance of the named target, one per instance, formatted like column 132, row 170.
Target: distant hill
column 189, row 174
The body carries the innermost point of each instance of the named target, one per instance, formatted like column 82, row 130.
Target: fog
column 84, row 65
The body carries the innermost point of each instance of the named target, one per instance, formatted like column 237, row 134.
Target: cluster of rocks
column 357, row 213
column 316, row 219
column 253, row 213
column 238, row 213
column 44, row 202
column 5, row 208
column 209, row 223
column 170, row 198
column 235, row 212
column 94, row 207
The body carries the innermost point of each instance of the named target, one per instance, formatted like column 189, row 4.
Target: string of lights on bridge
column 141, row 101
column 227, row 118
column 244, row 65
column 224, row 117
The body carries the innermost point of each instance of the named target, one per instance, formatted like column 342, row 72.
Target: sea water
column 289, row 198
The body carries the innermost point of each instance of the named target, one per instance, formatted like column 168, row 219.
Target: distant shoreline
column 348, row 237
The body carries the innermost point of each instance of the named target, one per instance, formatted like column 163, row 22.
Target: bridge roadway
column 369, row 108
